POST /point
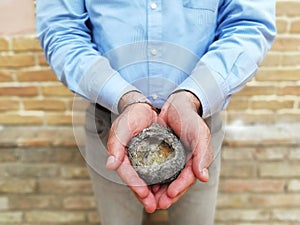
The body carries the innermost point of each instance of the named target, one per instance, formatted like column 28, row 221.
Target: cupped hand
column 128, row 124
column 180, row 112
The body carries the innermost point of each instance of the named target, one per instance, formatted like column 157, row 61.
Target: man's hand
column 180, row 112
column 132, row 120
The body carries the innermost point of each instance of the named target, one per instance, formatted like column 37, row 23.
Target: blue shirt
column 105, row 48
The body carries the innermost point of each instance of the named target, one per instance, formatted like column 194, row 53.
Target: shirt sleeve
column 65, row 36
column 244, row 34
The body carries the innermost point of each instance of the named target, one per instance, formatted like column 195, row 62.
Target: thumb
column 201, row 165
column 160, row 121
column 200, row 171
column 115, row 152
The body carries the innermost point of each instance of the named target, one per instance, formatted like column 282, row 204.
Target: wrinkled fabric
column 102, row 49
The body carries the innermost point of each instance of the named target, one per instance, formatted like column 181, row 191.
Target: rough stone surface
column 157, row 154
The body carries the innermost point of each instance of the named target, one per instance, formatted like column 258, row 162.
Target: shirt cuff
column 112, row 91
column 103, row 85
column 207, row 87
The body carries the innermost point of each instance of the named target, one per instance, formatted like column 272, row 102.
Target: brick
column 275, row 200
column 271, row 60
column 232, row 201
column 20, row 119
column 56, row 90
column 30, row 170
column 257, row 90
column 286, row 215
column 48, row 155
column 279, row 170
column 78, row 118
column 79, row 202
column 285, row 44
column 294, row 154
column 8, row 155
column 259, row 117
column 295, row 27
column 36, row 75
column 93, row 217
column 78, row 104
column 288, row 117
column 278, row 74
column 272, row 104
column 238, row 170
column 287, row 8
column 238, row 135
column 293, row 90
column 42, row 136
column 17, row 60
column 6, row 75
column 42, row 60
column 44, row 105
column 291, row 59
column 293, row 186
column 238, row 104
column 3, row 203
column 74, row 171
column 4, row 44
column 8, row 138
column 271, row 154
column 22, row 202
column 18, row 91
column 237, row 154
column 11, row 217
column 281, row 25
column 252, row 185
column 65, row 119
column 269, row 223
column 9, row 104
column 231, row 215
column 54, row 216
column 59, row 119
column 17, row 186
column 25, row 43
column 65, row 186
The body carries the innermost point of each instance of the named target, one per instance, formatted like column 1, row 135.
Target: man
column 130, row 58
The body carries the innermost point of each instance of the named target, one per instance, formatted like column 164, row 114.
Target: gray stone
column 157, row 154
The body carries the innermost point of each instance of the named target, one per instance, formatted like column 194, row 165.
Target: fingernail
column 110, row 161
column 204, row 172
column 168, row 205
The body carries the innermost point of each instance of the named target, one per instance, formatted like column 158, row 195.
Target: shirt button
column 154, row 51
column 155, row 96
column 153, row 5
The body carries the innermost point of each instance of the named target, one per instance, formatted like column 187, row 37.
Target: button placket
column 154, row 51
column 153, row 5
column 154, row 44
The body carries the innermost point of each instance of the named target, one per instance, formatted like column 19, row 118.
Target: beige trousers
column 116, row 203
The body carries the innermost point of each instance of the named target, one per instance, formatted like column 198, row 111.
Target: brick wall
column 43, row 179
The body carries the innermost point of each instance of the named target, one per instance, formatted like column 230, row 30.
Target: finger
column 202, row 158
column 116, row 153
column 149, row 203
column 160, row 192
column 132, row 179
column 164, row 109
column 124, row 128
column 155, row 188
column 185, row 180
column 165, row 201
column 160, row 121
column 119, row 136
column 137, row 185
